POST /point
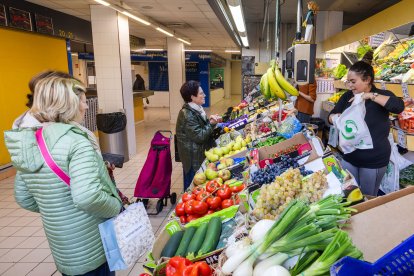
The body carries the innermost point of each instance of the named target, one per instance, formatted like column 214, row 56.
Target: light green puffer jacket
column 70, row 215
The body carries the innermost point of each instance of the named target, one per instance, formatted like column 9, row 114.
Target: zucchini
column 212, row 236
column 185, row 241
column 196, row 241
column 171, row 246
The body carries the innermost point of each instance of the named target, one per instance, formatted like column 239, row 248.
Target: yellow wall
column 395, row 16
column 236, row 78
column 22, row 55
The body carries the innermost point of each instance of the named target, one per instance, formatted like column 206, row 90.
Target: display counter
column 139, row 105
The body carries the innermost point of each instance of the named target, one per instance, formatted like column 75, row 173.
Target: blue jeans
column 303, row 117
column 188, row 178
column 103, row 270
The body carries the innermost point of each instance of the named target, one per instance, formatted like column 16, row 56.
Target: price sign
column 383, row 85
column 401, row 139
column 404, row 87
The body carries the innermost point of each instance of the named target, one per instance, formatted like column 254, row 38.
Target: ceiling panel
column 199, row 23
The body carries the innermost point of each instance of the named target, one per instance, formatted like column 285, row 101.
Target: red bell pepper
column 177, row 265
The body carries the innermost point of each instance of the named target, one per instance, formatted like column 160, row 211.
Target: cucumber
column 171, row 246
column 185, row 241
column 196, row 241
column 212, row 236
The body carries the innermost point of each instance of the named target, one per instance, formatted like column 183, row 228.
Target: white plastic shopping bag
column 353, row 130
column 127, row 237
column 391, row 180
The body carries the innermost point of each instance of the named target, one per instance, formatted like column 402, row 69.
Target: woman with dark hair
column 368, row 165
column 194, row 130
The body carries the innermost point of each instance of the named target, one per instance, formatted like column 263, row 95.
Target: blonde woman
column 70, row 215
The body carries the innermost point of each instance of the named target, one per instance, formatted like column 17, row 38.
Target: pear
column 237, row 146
column 231, row 144
column 221, row 166
column 210, row 174
column 248, row 139
column 243, row 143
column 243, row 148
column 211, row 156
column 226, row 150
column 218, row 151
column 229, row 162
column 239, row 139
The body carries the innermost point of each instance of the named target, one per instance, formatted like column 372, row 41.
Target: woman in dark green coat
column 194, row 130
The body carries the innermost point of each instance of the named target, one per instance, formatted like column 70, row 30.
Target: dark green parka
column 194, row 136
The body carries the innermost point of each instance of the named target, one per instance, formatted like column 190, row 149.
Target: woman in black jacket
column 194, row 130
column 369, row 165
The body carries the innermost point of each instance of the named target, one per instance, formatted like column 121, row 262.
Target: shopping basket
column 399, row 261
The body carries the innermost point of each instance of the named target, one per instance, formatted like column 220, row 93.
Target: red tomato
column 198, row 190
column 202, row 195
column 183, row 219
column 227, row 203
column 214, row 202
column 180, row 209
column 200, row 207
column 187, row 196
column 212, row 185
column 224, row 192
column 189, row 207
column 192, row 217
column 236, row 189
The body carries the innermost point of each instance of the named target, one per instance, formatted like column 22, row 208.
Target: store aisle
column 24, row 249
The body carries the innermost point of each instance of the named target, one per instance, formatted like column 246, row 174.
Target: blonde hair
column 313, row 6
column 56, row 99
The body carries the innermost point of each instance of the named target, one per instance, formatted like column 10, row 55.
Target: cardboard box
column 382, row 223
column 298, row 138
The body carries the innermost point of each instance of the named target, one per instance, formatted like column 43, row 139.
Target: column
column 176, row 76
column 328, row 23
column 110, row 32
column 227, row 80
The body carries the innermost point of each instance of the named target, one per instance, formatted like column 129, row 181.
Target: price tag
column 383, row 87
column 401, row 139
column 404, row 88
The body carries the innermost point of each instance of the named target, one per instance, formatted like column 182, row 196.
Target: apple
column 224, row 174
column 212, row 166
column 199, row 179
column 211, row 174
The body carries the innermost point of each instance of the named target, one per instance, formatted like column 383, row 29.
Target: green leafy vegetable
column 339, row 71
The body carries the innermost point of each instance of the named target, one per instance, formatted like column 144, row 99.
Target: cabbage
column 339, row 71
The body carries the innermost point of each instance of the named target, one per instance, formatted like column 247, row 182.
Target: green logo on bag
column 350, row 130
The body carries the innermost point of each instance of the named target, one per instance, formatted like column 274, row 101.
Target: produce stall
column 268, row 200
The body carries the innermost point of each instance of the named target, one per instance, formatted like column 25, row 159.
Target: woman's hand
column 334, row 117
column 214, row 119
column 368, row 96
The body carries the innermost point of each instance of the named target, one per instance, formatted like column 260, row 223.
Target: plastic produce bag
column 353, row 130
column 391, row 180
column 111, row 122
column 289, row 127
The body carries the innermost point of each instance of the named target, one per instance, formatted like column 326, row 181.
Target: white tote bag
column 353, row 130
column 127, row 237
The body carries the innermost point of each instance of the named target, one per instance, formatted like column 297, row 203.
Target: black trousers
column 103, row 270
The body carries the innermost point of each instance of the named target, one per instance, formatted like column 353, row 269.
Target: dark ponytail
column 364, row 70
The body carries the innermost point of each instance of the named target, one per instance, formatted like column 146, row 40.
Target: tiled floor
column 24, row 249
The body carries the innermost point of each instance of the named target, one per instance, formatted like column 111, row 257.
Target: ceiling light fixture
column 245, row 41
column 136, row 18
column 151, row 50
column 164, row 31
column 232, row 51
column 184, row 41
column 237, row 15
column 236, row 10
column 198, row 50
column 103, row 3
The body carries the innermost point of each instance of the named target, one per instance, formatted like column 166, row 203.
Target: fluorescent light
column 136, row 18
column 103, row 2
column 198, row 50
column 245, row 41
column 182, row 40
column 152, row 50
column 74, row 54
column 232, row 51
column 164, row 31
column 237, row 15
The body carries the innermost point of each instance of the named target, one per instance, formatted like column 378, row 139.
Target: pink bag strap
column 49, row 159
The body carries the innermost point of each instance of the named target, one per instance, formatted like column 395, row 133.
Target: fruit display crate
column 399, row 261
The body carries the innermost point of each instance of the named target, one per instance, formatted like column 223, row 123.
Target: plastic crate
column 399, row 261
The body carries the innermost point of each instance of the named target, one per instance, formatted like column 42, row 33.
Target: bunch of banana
column 274, row 85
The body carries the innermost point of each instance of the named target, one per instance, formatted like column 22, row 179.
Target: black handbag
column 177, row 156
column 116, row 159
